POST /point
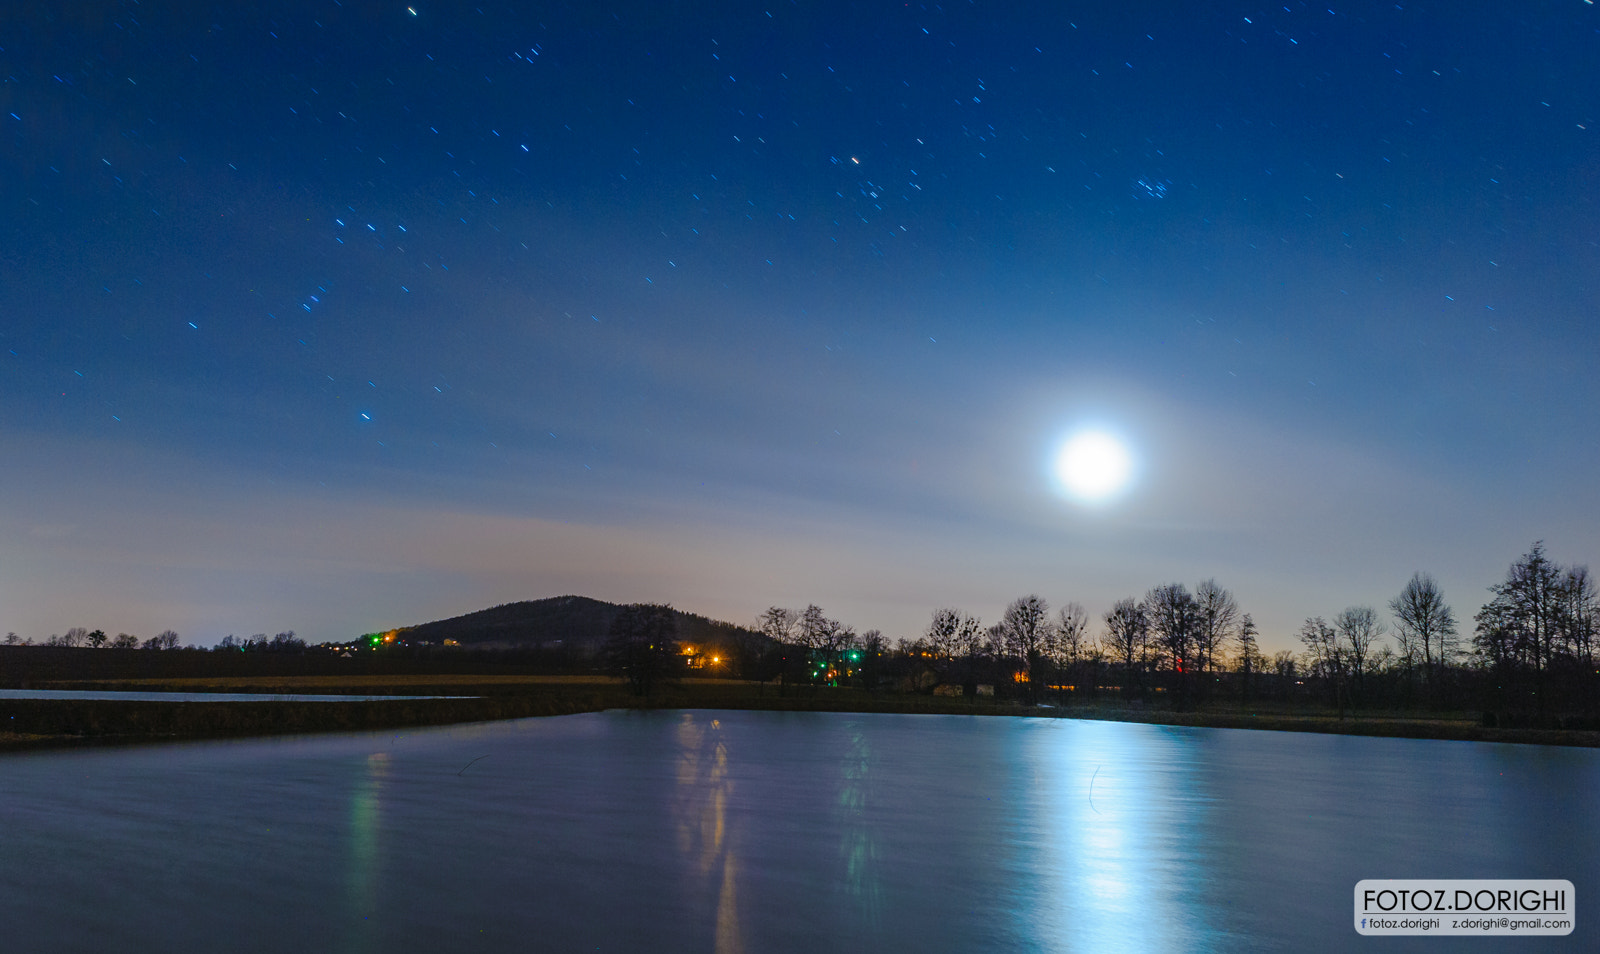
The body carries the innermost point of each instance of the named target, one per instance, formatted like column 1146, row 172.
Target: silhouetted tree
column 1069, row 646
column 1327, row 657
column 125, row 641
column 96, row 639
column 746, row 650
column 1580, row 612
column 1248, row 655
column 956, row 639
column 777, row 624
column 642, row 647
column 1216, row 615
column 969, row 640
column 1172, row 616
column 166, row 639
column 1517, row 630
column 1285, row 668
column 1024, row 631
column 786, row 659
column 821, row 641
column 1126, row 638
column 1358, row 628
column 1071, row 634
column 812, row 627
column 1427, row 625
column 940, row 636
column 873, row 648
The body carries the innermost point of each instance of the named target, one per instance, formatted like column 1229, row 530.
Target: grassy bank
column 34, row 723
column 1459, row 727
column 50, row 722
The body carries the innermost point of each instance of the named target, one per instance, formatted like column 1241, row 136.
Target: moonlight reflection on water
column 770, row 831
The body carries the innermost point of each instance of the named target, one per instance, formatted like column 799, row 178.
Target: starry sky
column 339, row 316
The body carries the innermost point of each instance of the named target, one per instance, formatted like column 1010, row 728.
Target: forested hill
column 571, row 622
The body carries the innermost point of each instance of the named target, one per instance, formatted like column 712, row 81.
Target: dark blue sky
column 337, row 317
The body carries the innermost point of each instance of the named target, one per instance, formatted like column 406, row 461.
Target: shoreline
column 36, row 724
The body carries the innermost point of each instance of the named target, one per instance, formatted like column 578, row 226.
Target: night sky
column 334, row 317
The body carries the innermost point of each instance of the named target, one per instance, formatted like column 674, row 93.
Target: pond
column 772, row 831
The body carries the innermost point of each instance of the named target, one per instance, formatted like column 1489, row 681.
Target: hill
column 573, row 623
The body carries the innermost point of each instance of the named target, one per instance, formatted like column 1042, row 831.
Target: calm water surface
column 770, row 831
column 138, row 696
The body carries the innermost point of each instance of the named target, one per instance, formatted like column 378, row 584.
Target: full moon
column 1093, row 466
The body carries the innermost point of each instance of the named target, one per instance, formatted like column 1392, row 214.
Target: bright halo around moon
column 1094, row 466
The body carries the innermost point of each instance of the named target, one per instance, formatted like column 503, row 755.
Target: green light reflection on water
column 365, row 849
column 858, row 845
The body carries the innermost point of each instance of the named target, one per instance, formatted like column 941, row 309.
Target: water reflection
column 771, row 832
column 858, row 846
column 704, row 789
column 1120, row 811
column 362, row 875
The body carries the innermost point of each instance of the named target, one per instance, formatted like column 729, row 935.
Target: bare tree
column 1580, row 613
column 873, row 647
column 12, row 639
column 1216, row 615
column 994, row 640
column 1426, row 624
column 1384, row 659
column 125, row 641
column 813, row 628
column 1327, row 657
column 1127, row 634
column 969, row 638
column 1025, row 633
column 1071, row 634
column 778, row 624
column 1172, row 615
column 823, row 640
column 941, row 632
column 957, row 638
column 1359, row 628
column 837, row 638
column 1248, row 654
column 1519, row 627
column 166, row 639
column 1068, row 646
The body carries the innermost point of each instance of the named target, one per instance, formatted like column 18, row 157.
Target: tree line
column 1531, row 652
column 79, row 636
column 1529, row 655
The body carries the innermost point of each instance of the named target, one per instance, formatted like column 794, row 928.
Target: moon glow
column 1093, row 466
